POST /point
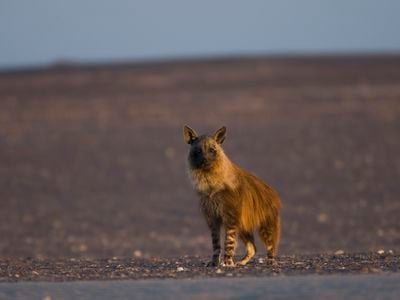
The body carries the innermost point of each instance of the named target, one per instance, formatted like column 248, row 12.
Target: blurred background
column 94, row 94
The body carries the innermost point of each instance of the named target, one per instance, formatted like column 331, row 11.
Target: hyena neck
column 220, row 177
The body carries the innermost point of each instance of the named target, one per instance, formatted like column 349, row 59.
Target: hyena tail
column 277, row 235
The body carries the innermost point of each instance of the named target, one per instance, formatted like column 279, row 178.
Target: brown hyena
column 231, row 198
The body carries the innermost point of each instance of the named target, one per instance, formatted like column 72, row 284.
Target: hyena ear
column 220, row 135
column 189, row 135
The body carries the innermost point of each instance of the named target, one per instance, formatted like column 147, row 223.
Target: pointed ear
column 220, row 135
column 189, row 135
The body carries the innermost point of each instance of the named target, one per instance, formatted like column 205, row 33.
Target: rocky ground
column 93, row 164
column 193, row 267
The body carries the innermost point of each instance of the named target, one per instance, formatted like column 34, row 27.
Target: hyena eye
column 212, row 150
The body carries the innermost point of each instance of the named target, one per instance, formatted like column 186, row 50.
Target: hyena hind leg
column 248, row 240
column 269, row 235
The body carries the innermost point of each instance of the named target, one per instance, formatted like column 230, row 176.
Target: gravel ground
column 193, row 267
column 93, row 164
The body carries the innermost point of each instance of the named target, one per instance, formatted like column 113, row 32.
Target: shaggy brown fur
column 231, row 198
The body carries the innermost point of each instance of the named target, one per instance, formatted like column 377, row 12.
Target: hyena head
column 205, row 151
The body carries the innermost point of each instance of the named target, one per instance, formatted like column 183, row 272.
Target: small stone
column 322, row 218
column 365, row 270
column 180, row 269
column 137, row 253
column 83, row 248
column 381, row 251
column 390, row 251
column 261, row 260
column 339, row 252
column 375, row 270
column 35, row 273
column 219, row 271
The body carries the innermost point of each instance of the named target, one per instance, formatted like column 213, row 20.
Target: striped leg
column 248, row 240
column 269, row 234
column 230, row 246
column 215, row 228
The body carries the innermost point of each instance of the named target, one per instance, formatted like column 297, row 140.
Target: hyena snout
column 201, row 158
column 198, row 160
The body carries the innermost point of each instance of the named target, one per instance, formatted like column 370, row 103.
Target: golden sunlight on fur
column 231, row 198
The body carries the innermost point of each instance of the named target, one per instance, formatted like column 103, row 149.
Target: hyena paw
column 215, row 261
column 242, row 263
column 272, row 261
column 212, row 263
column 229, row 263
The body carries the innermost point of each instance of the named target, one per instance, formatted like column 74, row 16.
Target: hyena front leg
column 215, row 227
column 248, row 240
column 230, row 245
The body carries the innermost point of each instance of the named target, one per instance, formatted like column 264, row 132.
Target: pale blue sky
column 44, row 31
